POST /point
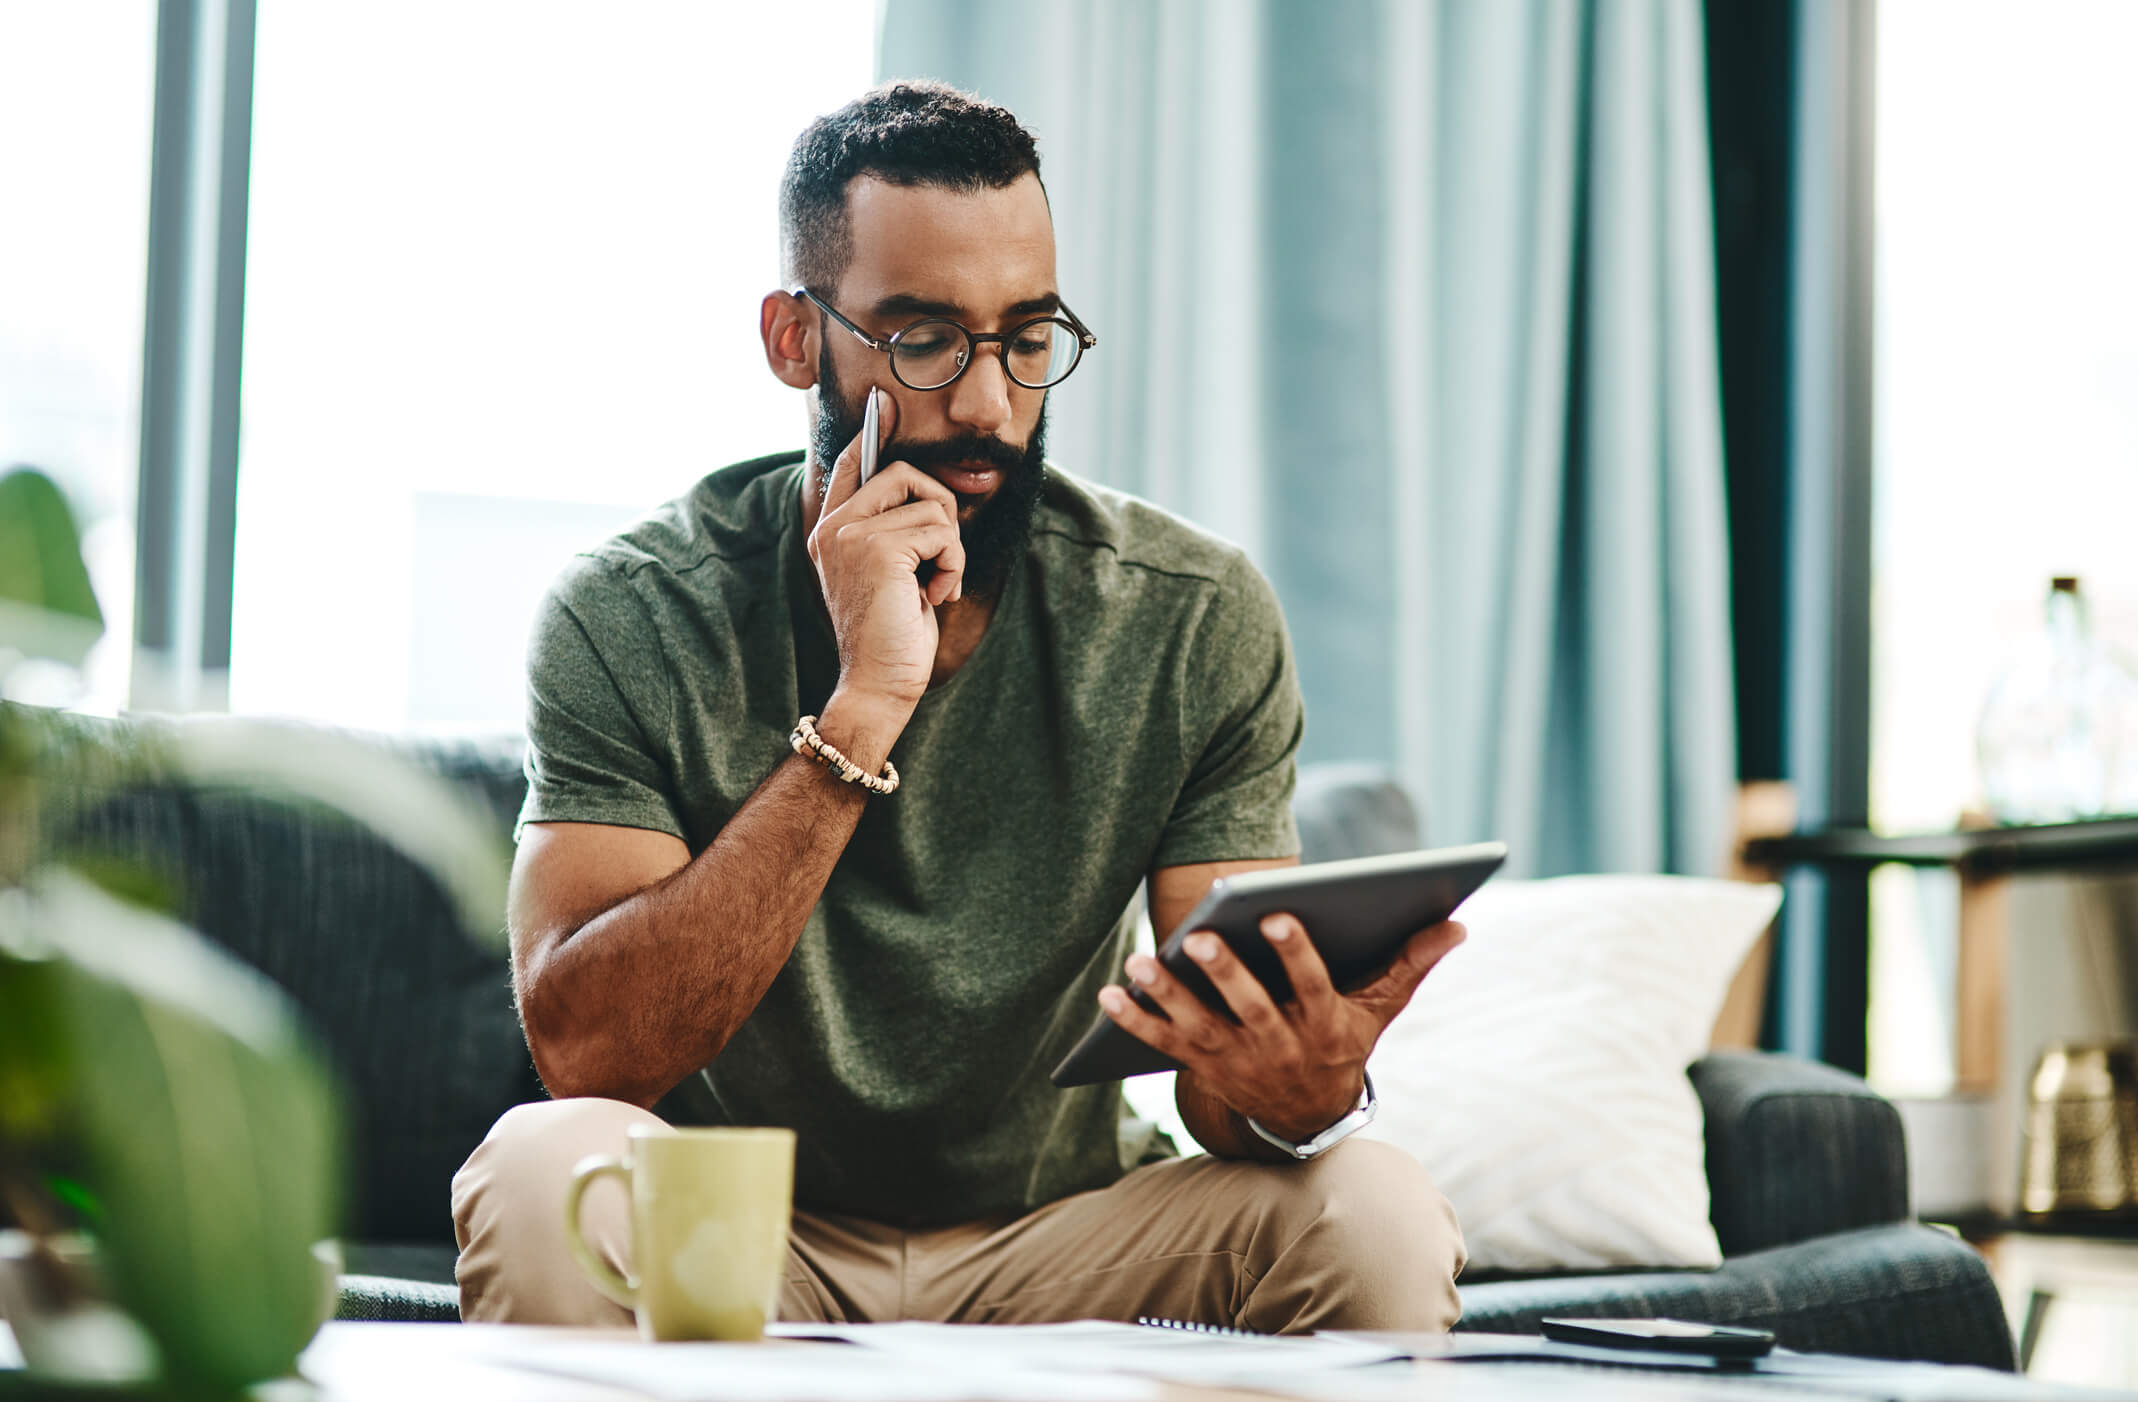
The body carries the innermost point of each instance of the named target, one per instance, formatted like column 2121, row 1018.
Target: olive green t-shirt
column 1132, row 705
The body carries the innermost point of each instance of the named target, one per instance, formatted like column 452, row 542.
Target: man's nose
column 980, row 400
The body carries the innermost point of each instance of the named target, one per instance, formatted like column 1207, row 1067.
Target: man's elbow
column 573, row 1055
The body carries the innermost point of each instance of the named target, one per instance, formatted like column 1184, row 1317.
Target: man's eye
column 1032, row 345
column 925, row 343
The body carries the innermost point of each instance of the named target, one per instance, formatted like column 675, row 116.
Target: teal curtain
column 1416, row 302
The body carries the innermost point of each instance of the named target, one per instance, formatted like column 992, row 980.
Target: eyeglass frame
column 1061, row 315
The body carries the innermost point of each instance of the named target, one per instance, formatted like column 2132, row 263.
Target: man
column 716, row 906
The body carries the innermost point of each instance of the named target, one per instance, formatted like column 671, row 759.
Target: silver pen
column 871, row 430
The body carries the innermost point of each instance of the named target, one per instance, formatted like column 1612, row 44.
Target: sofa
column 1806, row 1165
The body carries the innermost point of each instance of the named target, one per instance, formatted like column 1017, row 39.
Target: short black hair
column 916, row 132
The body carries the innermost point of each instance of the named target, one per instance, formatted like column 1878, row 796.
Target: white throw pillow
column 1539, row 1074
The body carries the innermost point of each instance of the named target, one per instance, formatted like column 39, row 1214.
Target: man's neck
column 960, row 626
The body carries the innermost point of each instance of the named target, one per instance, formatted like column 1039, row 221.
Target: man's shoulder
column 730, row 521
column 1107, row 529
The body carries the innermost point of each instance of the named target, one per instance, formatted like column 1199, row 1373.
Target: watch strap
column 1354, row 1120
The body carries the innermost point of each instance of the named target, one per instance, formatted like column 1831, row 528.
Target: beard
column 999, row 529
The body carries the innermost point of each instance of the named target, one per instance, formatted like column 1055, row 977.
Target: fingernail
column 1203, row 948
column 1112, row 999
column 1276, row 929
column 1140, row 969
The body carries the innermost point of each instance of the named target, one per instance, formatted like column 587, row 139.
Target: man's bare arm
column 634, row 963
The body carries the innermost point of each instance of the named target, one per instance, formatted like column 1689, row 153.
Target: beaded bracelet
column 810, row 745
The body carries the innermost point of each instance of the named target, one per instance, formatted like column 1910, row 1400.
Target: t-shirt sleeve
column 598, row 707
column 1244, row 721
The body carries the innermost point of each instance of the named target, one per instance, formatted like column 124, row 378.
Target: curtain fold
column 1415, row 301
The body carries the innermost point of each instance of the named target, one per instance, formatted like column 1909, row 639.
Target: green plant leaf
column 33, row 1070
column 129, row 881
column 47, row 607
column 208, row 1129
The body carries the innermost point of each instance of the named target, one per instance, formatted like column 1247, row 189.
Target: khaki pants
column 1357, row 1239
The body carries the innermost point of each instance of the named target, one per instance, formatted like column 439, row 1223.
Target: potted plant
column 170, row 1137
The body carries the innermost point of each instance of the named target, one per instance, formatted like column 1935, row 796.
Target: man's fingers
column 1149, row 1028
column 894, row 485
column 1196, row 1024
column 934, row 541
column 1302, row 963
column 931, row 501
column 913, row 515
column 1420, row 953
column 846, row 470
column 903, row 482
column 1242, row 991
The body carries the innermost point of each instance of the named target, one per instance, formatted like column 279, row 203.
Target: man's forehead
column 975, row 251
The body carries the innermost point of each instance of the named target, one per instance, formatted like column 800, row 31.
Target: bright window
column 2007, row 414
column 75, row 88
column 505, row 262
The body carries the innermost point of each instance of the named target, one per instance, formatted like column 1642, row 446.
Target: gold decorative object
column 2081, row 1158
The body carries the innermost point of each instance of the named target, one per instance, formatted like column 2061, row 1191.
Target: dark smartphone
column 1664, row 1335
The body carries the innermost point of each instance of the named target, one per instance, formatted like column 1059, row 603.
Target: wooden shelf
column 1976, row 852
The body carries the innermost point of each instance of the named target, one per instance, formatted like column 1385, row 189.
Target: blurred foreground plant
column 156, row 1094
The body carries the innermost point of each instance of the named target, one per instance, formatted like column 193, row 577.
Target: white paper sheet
column 1090, row 1359
column 1097, row 1346
column 806, row 1372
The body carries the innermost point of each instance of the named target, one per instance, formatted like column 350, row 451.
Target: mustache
column 959, row 451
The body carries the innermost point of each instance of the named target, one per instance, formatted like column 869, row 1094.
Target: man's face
column 986, row 259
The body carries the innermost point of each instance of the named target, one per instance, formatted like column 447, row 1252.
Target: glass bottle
column 2058, row 735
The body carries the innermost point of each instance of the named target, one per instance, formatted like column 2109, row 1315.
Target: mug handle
column 621, row 1289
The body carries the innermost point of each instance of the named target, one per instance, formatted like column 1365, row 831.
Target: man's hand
column 1295, row 1069
column 868, row 548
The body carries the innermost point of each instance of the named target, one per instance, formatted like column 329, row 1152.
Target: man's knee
column 536, row 1145
column 508, row 1211
column 1365, row 1241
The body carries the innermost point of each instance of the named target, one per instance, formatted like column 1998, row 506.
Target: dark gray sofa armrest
column 1796, row 1150
column 1902, row 1290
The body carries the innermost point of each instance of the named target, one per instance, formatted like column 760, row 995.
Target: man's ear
column 789, row 330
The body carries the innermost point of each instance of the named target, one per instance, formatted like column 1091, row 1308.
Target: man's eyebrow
column 900, row 304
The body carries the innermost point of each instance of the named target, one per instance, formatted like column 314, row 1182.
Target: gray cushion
column 1352, row 810
column 1898, row 1291
column 390, row 1299
column 406, row 1281
column 415, row 1015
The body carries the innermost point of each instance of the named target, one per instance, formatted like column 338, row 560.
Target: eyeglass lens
column 930, row 354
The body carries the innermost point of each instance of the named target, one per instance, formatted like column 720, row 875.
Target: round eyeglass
column 934, row 351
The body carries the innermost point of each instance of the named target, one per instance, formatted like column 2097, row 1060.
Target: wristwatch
column 1359, row 1116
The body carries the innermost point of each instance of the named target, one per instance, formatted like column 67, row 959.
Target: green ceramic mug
column 709, row 1215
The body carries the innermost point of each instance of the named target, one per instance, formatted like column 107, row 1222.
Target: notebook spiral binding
column 1191, row 1326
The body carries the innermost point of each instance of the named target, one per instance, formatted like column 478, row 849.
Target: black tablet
column 1358, row 914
